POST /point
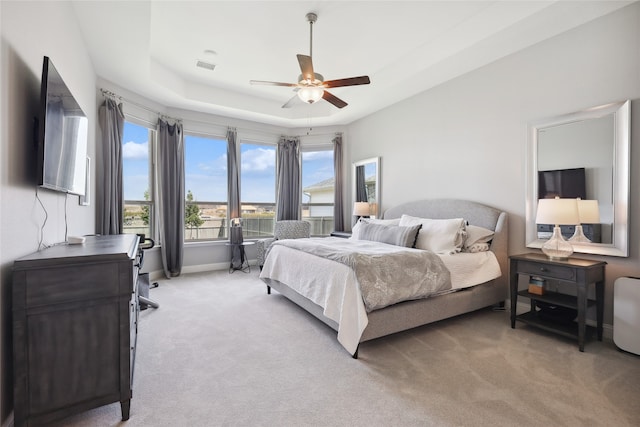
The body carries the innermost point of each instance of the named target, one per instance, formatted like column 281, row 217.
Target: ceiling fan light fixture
column 311, row 85
column 311, row 94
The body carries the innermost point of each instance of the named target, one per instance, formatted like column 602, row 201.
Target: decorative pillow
column 442, row 236
column 391, row 234
column 476, row 247
column 355, row 231
column 477, row 234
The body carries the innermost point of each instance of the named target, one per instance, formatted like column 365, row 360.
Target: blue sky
column 206, row 167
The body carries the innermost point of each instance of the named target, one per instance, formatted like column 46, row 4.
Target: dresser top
column 107, row 248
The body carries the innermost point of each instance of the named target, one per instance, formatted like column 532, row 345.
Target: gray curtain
column 233, row 184
column 109, row 198
column 361, row 186
column 288, row 180
column 170, row 196
column 338, row 199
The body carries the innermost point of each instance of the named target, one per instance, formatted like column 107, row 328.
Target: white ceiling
column 151, row 48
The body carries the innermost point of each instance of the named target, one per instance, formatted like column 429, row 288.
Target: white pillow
column 442, row 236
column 390, row 234
column 477, row 234
column 355, row 231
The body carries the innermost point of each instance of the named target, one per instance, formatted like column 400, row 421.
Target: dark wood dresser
column 75, row 312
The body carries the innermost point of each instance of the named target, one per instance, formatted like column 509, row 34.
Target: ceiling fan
column 311, row 85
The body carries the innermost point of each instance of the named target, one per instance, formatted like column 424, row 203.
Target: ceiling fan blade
column 262, row 82
column 351, row 81
column 291, row 102
column 334, row 100
column 306, row 66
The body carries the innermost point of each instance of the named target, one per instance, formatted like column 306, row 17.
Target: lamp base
column 578, row 236
column 236, row 235
column 556, row 248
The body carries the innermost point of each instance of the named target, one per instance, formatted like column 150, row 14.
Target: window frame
column 273, row 204
column 151, row 203
column 307, row 148
column 212, row 136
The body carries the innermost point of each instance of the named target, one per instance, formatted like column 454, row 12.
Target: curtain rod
column 111, row 94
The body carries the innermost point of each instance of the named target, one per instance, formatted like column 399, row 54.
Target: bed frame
column 411, row 314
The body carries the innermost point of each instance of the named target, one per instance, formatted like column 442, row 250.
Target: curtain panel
column 109, row 200
column 288, row 180
column 361, row 186
column 338, row 201
column 170, row 196
column 233, row 183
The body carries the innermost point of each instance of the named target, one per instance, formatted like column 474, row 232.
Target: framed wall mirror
column 584, row 154
column 365, row 176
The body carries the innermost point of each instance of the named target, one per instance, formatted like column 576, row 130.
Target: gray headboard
column 473, row 212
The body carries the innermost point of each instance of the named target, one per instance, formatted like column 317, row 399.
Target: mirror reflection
column 366, row 188
column 583, row 155
column 575, row 160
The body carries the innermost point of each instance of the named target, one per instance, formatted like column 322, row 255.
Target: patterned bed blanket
column 387, row 274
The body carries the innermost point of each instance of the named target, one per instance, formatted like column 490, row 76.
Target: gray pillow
column 391, row 234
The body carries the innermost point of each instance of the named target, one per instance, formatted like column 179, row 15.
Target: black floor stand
column 143, row 278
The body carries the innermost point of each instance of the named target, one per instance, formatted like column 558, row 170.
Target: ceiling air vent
column 206, row 65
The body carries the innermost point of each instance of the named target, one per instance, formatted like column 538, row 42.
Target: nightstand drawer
column 547, row 270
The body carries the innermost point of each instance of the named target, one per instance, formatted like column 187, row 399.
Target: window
column 257, row 189
column 137, row 181
column 205, row 187
column 318, row 187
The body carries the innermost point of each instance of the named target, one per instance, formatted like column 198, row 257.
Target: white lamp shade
column 588, row 212
column 361, row 209
column 558, row 212
column 311, row 94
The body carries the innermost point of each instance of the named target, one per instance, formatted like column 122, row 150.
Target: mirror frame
column 621, row 174
column 375, row 160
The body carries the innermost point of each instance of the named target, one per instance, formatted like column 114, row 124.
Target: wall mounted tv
column 62, row 136
column 563, row 183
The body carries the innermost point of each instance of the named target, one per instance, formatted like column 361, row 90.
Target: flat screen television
column 62, row 136
column 563, row 183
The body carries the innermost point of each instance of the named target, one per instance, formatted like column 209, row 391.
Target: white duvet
column 334, row 286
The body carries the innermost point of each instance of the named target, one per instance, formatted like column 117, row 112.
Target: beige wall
column 30, row 31
column 467, row 138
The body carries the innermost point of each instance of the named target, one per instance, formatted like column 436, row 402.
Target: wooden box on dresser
column 75, row 311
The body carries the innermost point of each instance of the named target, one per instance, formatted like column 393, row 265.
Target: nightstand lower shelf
column 555, row 298
column 568, row 329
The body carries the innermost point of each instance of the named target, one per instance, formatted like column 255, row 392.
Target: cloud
column 258, row 159
column 133, row 150
column 317, row 155
column 214, row 167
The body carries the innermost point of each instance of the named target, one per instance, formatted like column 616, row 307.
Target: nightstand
column 343, row 234
column 575, row 271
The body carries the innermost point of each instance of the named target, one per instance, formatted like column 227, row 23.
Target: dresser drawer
column 548, row 271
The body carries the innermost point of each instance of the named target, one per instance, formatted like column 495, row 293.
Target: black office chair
column 143, row 278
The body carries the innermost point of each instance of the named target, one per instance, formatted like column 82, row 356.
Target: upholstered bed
column 299, row 274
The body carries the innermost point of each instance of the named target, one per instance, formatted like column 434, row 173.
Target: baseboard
column 200, row 268
column 607, row 329
column 205, row 267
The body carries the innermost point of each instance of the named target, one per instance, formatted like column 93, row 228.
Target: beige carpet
column 221, row 352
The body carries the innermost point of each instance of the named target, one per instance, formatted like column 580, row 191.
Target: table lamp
column 557, row 212
column 361, row 209
column 236, row 231
column 589, row 214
